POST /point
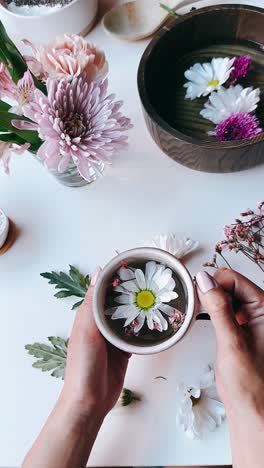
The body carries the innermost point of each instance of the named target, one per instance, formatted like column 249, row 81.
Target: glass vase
column 71, row 177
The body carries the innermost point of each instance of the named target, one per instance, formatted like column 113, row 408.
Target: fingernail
column 95, row 276
column 205, row 282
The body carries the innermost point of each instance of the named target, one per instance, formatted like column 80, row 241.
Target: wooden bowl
column 175, row 123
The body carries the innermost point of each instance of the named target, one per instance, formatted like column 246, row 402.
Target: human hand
column 95, row 369
column 95, row 373
column 236, row 308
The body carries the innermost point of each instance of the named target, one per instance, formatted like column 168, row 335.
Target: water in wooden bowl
column 174, row 122
column 184, row 114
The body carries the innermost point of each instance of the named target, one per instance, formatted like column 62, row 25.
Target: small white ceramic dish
column 4, row 228
column 142, row 254
column 133, row 21
column 77, row 17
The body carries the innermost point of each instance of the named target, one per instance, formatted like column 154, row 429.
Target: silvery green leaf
column 72, row 284
column 50, row 357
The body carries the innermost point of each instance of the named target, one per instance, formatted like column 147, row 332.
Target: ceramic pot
column 77, row 17
column 4, row 228
column 135, row 256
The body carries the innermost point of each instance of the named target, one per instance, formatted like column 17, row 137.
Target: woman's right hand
column 236, row 308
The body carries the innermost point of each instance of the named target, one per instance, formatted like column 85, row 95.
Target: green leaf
column 62, row 294
column 11, row 137
column 59, row 372
column 4, row 106
column 169, row 10
column 79, row 277
column 72, row 284
column 59, row 343
column 50, row 357
column 27, row 135
column 13, row 59
column 76, row 305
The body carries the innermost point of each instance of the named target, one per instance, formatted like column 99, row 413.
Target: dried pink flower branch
column 246, row 236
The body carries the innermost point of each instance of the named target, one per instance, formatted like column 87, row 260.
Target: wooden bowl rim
column 142, row 84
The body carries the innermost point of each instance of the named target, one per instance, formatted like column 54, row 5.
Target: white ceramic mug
column 140, row 255
column 77, row 17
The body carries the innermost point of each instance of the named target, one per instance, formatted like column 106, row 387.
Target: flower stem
column 169, row 10
column 225, row 260
column 136, row 398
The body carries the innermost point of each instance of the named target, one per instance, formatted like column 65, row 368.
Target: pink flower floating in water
column 68, row 55
column 239, row 126
column 116, row 282
column 7, row 148
column 240, row 68
column 78, row 122
column 7, row 87
column 176, row 320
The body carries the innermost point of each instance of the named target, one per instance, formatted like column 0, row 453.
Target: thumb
column 84, row 314
column 88, row 300
column 218, row 304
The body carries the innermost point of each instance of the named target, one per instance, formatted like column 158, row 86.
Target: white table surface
column 144, row 193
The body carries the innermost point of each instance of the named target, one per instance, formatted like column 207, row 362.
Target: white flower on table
column 200, row 410
column 207, row 77
column 225, row 102
column 144, row 297
column 179, row 247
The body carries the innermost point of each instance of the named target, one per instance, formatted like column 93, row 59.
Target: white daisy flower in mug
column 200, row 410
column 204, row 78
column 145, row 297
column 225, row 102
column 179, row 247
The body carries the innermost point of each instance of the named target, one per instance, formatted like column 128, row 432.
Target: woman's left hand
column 95, row 373
column 95, row 369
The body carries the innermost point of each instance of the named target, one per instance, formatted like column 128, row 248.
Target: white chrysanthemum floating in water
column 207, row 77
column 200, row 410
column 179, row 247
column 144, row 297
column 225, row 102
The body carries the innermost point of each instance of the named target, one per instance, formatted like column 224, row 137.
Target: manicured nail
column 205, row 282
column 96, row 275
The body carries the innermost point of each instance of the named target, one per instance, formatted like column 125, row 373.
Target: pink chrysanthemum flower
column 78, row 122
column 7, row 87
column 240, row 68
column 7, row 148
column 239, row 126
